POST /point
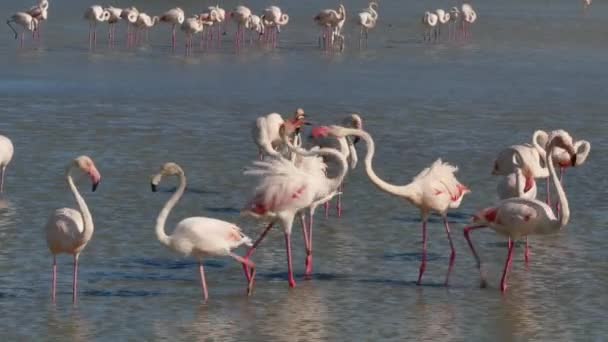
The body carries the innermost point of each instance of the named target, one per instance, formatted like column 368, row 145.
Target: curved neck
column 582, row 153
column 561, row 194
column 87, row 219
column 540, row 145
column 164, row 213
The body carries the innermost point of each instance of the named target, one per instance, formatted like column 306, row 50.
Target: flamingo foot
column 483, row 283
column 421, row 272
column 308, row 273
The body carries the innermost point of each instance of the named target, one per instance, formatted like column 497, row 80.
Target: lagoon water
column 529, row 65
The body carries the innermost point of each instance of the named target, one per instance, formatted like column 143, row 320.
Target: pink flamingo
column 69, row 230
column 434, row 189
column 24, row 20
column 130, row 15
column 240, row 15
column 6, row 155
column 39, row 12
column 284, row 189
column 95, row 14
column 265, row 132
column 274, row 18
column 519, row 217
column 199, row 237
column 174, row 17
column 115, row 14
column 329, row 20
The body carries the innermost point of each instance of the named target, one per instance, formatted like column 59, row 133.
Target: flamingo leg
column 173, row 38
column 548, row 189
column 527, row 252
column 453, row 251
column 250, row 264
column 423, row 263
column 339, row 202
column 75, row 280
column 203, row 281
column 54, row 279
column 252, row 250
column 503, row 281
column 309, row 251
column 326, row 207
column 2, row 178
column 467, row 232
column 95, row 35
column 22, row 37
column 290, row 279
column 562, row 172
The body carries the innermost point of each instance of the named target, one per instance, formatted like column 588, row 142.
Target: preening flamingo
column 68, row 231
column 265, row 132
column 273, row 18
column 519, row 217
column 174, row 17
column 143, row 24
column 330, row 20
column 443, row 18
column 26, row 21
column 198, row 237
column 434, row 189
column 255, row 25
column 429, row 20
column 219, row 19
column 190, row 27
column 39, row 12
column 469, row 16
column 130, row 16
column 115, row 14
column 6, row 155
column 95, row 14
column 240, row 15
column 453, row 25
column 283, row 190
column 367, row 19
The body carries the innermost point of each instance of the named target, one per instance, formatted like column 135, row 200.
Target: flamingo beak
column 573, row 160
column 153, row 187
column 356, row 140
column 95, row 178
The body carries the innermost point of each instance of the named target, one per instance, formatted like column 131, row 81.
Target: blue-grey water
column 529, row 65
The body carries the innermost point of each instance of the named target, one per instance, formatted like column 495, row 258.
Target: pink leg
column 248, row 264
column 95, row 36
column 203, row 281
column 423, row 263
column 467, row 232
column 305, row 232
column 54, row 280
column 2, row 178
column 22, row 37
column 339, row 201
column 452, row 254
column 75, row 280
column 527, row 252
column 173, row 38
column 309, row 252
column 548, row 186
column 503, row 281
column 252, row 250
column 290, row 279
column 326, row 207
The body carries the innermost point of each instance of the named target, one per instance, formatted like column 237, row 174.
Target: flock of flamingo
column 293, row 181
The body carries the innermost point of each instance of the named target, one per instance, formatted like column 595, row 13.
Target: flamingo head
column 561, row 138
column 168, row 169
column 529, row 177
column 321, row 132
column 87, row 166
column 487, row 215
column 354, row 121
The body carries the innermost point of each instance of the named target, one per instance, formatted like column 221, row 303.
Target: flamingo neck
column 88, row 228
column 561, row 194
column 164, row 213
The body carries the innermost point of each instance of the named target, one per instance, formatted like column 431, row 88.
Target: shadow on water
column 453, row 217
column 169, row 264
column 412, row 256
column 190, row 190
column 121, row 293
column 223, row 210
column 314, row 276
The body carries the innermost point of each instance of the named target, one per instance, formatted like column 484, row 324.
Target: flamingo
column 68, row 230
column 207, row 19
column 586, row 5
column 434, row 189
column 453, row 25
column 443, row 18
column 190, row 27
column 6, row 155
column 240, row 15
column 144, row 23
column 39, row 12
column 130, row 15
column 284, row 189
column 273, row 17
column 469, row 16
column 255, row 25
column 95, row 14
column 329, row 20
column 367, row 19
column 174, row 17
column 115, row 14
column 198, row 236
column 518, row 217
column 24, row 20
column 265, row 132
column 219, row 19
column 429, row 20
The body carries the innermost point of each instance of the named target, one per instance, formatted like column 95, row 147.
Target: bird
column 219, row 19
column 68, row 231
column 144, row 23
column 208, row 19
column 240, row 15
column 130, row 15
column 284, row 189
column 95, row 14
column 586, row 5
column 329, row 20
column 39, row 12
column 198, row 237
column 434, row 189
column 115, row 14
column 190, row 27
column 174, row 17
column 274, row 18
column 367, row 19
column 443, row 18
column 519, row 217
column 24, row 20
column 265, row 132
column 255, row 25
column 469, row 16
column 429, row 20
column 6, row 155
column 453, row 25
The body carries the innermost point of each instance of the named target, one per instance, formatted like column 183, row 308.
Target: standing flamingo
column 143, row 24
column 130, row 16
column 24, row 20
column 443, row 18
column 69, row 230
column 274, row 18
column 39, row 12
column 329, row 20
column 367, row 19
column 519, row 217
column 240, row 15
column 284, row 189
column 256, row 26
column 198, row 236
column 453, row 25
column 95, row 14
column 114, row 18
column 434, row 189
column 586, row 5
column 265, row 132
column 190, row 27
column 469, row 16
column 174, row 17
column 219, row 19
column 429, row 20
column 6, row 155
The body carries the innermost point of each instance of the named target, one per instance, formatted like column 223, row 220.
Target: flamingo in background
column 367, row 19
column 39, row 12
column 115, row 14
column 219, row 19
column 130, row 15
column 329, row 20
column 265, row 132
column 443, row 18
column 240, row 15
column 283, row 190
column 469, row 16
column 198, row 237
column 143, row 24
column 255, row 25
column 6, row 155
column 274, row 18
column 190, row 27
column 453, row 25
column 24, row 20
column 518, row 217
column 95, row 14
column 429, row 20
column 586, row 5
column 174, row 17
column 434, row 189
column 69, row 230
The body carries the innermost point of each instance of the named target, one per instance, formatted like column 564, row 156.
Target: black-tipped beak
column 95, row 185
column 307, row 123
column 153, row 187
column 573, row 160
column 356, row 140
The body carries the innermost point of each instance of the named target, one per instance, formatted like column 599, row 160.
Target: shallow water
column 528, row 66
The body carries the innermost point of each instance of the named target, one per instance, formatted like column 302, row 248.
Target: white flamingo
column 469, row 16
column 367, row 19
column 130, row 16
column 94, row 15
column 265, row 133
column 330, row 20
column 519, row 217
column 68, row 231
column 240, row 15
column 256, row 26
column 6, row 155
column 190, row 27
column 453, row 25
column 174, row 17
column 144, row 23
column 273, row 18
column 198, row 237
column 443, row 18
column 115, row 14
column 26, row 21
column 39, row 12
column 429, row 20
column 219, row 19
